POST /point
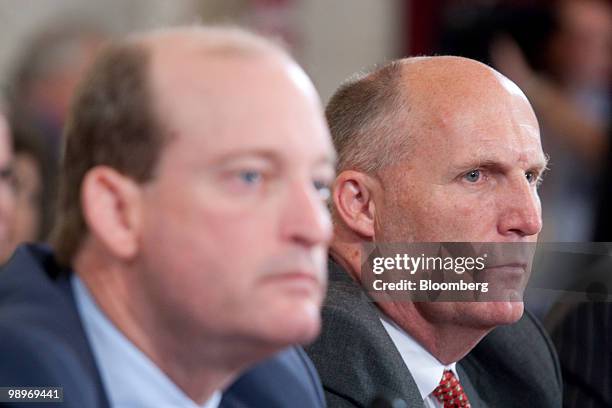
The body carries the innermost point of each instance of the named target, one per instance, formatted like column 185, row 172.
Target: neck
column 197, row 363
column 446, row 341
column 346, row 250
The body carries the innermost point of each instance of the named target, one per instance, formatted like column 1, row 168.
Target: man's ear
column 353, row 201
column 112, row 210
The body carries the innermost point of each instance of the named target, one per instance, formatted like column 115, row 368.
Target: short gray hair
column 363, row 116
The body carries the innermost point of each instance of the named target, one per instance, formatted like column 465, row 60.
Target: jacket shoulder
column 42, row 342
column 355, row 357
column 36, row 357
column 518, row 360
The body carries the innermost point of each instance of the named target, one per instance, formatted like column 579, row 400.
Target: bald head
column 448, row 83
column 375, row 117
column 233, row 60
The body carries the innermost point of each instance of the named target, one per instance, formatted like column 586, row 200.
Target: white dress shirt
column 425, row 369
column 130, row 378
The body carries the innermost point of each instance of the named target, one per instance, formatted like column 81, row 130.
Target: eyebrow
column 540, row 165
column 543, row 165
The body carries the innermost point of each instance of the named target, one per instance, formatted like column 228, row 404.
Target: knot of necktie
column 450, row 392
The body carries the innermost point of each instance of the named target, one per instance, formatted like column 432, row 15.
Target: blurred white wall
column 333, row 38
column 20, row 19
column 341, row 37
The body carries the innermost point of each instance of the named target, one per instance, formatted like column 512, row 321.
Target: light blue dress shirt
column 130, row 378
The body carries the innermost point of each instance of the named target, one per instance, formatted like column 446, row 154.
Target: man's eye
column 8, row 177
column 323, row 190
column 472, row 176
column 6, row 173
column 531, row 177
column 250, row 176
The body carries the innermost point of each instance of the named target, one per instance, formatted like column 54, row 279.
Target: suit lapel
column 469, row 386
column 364, row 363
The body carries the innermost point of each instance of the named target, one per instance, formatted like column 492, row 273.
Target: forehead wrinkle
column 491, row 128
column 491, row 153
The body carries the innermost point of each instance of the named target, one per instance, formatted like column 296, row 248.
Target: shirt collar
column 130, row 378
column 425, row 368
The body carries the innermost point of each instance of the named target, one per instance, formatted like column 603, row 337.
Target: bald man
column 433, row 149
column 192, row 232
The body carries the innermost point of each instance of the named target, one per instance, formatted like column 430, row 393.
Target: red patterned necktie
column 450, row 392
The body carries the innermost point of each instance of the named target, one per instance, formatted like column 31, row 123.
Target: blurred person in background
column 7, row 193
column 45, row 75
column 580, row 55
column 191, row 236
column 31, row 182
column 41, row 87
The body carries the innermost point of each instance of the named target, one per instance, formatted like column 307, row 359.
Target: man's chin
column 303, row 329
column 298, row 324
column 500, row 313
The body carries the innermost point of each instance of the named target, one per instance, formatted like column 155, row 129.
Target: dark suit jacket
column 42, row 343
column 514, row 366
column 584, row 342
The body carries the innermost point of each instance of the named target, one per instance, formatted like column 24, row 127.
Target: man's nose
column 306, row 219
column 520, row 210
